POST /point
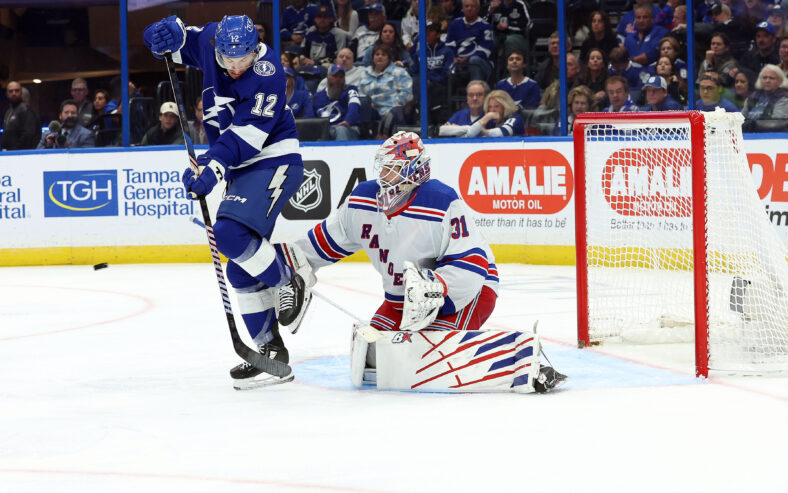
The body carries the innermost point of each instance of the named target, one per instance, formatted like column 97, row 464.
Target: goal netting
column 673, row 243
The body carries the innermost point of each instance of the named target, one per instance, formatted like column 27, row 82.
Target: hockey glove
column 424, row 292
column 167, row 35
column 210, row 171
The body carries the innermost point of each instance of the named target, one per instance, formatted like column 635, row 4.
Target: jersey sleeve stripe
column 362, row 203
column 467, row 253
column 323, row 244
column 251, row 135
column 469, row 266
column 425, row 217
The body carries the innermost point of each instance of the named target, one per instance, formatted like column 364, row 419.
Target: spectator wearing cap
column 765, row 50
column 296, row 19
column 298, row 100
column 777, row 19
column 711, row 95
column 323, row 40
column 620, row 64
column 643, row 45
column 523, row 90
column 167, row 131
column 353, row 74
column 766, row 110
column 366, row 35
column 390, row 37
column 617, row 90
column 339, row 103
column 739, row 33
column 657, row 96
column 471, row 39
column 510, row 21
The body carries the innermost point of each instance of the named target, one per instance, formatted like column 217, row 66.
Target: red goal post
column 658, row 259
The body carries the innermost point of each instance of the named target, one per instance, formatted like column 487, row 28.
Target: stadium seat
column 313, row 129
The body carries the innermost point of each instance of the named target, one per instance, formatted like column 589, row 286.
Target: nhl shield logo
column 309, row 194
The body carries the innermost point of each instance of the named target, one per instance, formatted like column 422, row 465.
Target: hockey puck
column 102, row 265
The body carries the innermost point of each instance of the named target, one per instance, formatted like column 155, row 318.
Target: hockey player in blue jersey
column 254, row 148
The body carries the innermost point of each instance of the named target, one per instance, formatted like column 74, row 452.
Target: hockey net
column 673, row 243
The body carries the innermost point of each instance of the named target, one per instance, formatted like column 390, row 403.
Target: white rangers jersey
column 433, row 231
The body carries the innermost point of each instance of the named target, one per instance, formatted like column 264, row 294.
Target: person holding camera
column 65, row 131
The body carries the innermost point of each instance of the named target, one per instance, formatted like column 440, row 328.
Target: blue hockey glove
column 211, row 171
column 167, row 35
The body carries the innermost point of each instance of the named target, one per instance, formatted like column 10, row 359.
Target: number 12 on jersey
column 258, row 105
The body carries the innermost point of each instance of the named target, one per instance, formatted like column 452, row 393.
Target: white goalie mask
column 401, row 165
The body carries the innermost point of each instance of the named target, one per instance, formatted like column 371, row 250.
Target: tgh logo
column 309, row 194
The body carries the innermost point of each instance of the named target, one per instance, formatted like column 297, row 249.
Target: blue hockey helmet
column 235, row 36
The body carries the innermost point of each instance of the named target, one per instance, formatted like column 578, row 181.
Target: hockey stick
column 268, row 365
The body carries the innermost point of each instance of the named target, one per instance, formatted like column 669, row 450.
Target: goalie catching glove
column 209, row 173
column 424, row 292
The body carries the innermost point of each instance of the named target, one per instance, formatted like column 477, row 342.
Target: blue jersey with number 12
column 247, row 121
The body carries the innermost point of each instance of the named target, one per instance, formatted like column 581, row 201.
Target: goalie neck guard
column 236, row 37
column 401, row 165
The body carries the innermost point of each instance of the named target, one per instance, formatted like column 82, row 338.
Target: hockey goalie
column 440, row 283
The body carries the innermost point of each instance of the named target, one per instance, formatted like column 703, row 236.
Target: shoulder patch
column 264, row 68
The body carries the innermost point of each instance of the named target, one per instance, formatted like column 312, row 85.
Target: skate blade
column 262, row 380
column 293, row 327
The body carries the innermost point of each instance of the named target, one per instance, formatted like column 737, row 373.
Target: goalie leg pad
column 364, row 338
column 457, row 361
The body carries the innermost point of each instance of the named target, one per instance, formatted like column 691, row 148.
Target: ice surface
column 116, row 380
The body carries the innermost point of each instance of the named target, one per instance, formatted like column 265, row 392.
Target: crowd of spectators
column 356, row 63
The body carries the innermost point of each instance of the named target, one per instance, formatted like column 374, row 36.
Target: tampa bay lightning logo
column 264, row 68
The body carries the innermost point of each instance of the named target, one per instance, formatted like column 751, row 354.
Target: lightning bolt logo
column 276, row 185
column 219, row 103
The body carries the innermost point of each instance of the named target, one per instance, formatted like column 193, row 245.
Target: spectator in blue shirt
column 711, row 95
column 340, row 104
column 471, row 39
column 323, row 40
column 500, row 119
column 297, row 99
column 439, row 59
column 475, row 93
column 657, row 96
column 618, row 94
column 296, row 19
column 626, row 25
column 620, row 64
column 643, row 45
column 523, row 90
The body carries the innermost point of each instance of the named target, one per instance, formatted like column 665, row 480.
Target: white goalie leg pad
column 363, row 336
column 457, row 361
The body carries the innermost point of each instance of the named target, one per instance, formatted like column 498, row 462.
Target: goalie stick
column 268, row 365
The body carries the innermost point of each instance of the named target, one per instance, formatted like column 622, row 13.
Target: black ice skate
column 246, row 376
column 548, row 379
column 294, row 298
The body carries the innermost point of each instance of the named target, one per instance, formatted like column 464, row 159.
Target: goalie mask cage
column 673, row 243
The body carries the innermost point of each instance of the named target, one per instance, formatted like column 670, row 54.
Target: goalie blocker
column 450, row 361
